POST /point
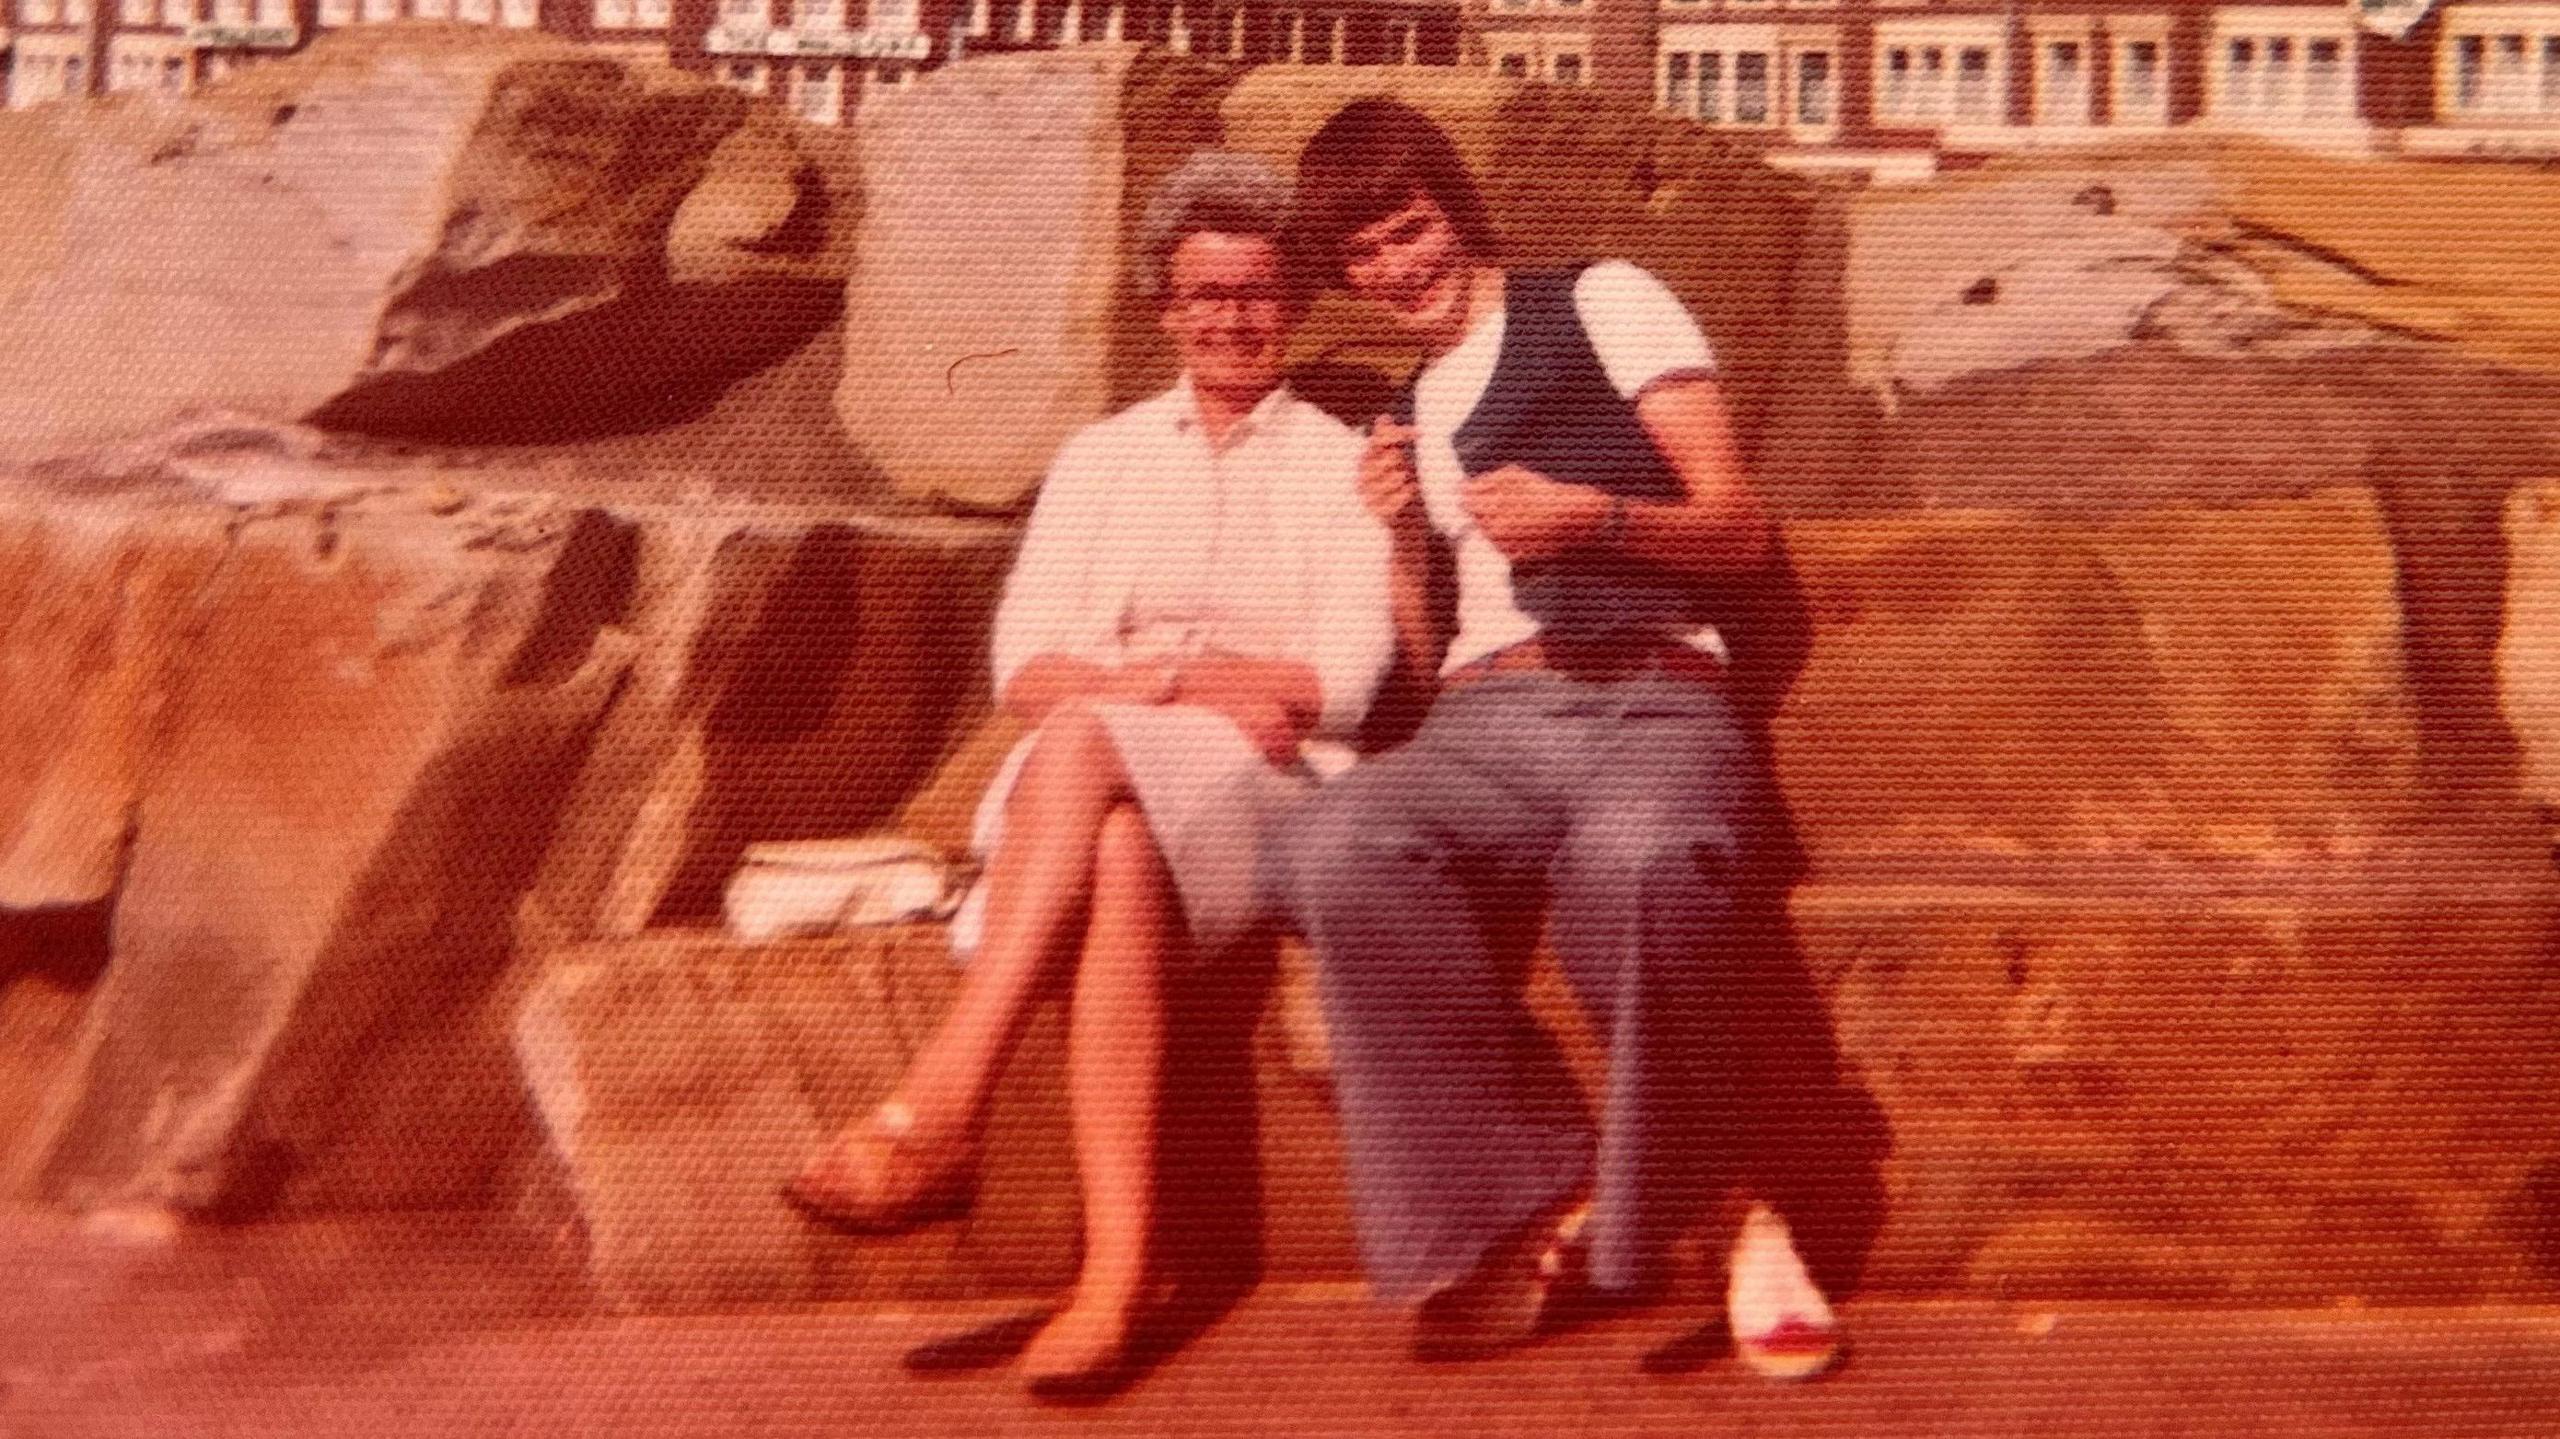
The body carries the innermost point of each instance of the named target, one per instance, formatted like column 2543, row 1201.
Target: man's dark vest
column 1550, row 407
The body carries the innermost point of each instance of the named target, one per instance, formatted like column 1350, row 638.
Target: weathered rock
column 796, row 680
column 989, row 316
column 2221, row 247
column 372, row 719
column 394, row 228
column 97, row 605
column 683, row 1077
column 2208, row 681
column 2331, row 1080
column 683, row 1080
column 2529, row 646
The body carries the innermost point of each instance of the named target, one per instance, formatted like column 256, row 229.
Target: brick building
column 1874, row 78
column 816, row 56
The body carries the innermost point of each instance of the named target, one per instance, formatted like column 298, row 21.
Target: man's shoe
column 1782, row 1326
column 1513, row 1296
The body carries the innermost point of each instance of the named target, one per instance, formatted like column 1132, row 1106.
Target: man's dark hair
column 1373, row 158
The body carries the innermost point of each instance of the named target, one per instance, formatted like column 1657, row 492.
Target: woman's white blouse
column 1147, row 543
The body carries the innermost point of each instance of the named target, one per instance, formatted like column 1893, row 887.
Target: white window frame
column 2055, row 100
column 1938, row 97
column 2125, row 109
column 2265, row 92
column 817, row 93
column 2530, row 95
column 1800, row 54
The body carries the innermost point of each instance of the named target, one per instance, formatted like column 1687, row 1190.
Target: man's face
column 1413, row 263
column 1227, row 309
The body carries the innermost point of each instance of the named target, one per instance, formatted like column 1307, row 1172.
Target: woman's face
column 1227, row 310
column 1414, row 264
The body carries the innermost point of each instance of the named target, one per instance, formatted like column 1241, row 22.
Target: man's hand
column 1388, row 485
column 1531, row 517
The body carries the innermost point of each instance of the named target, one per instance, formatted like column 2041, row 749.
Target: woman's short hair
column 1219, row 192
column 1373, row 158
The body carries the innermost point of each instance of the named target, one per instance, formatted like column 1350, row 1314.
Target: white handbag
column 818, row 886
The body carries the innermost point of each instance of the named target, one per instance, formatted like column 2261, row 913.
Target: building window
column 173, row 74
column 133, row 13
column 2062, row 84
column 1235, row 34
column 2142, row 95
column 475, row 12
column 2324, row 79
column 432, row 9
column 337, row 12
column 75, row 12
column 519, row 14
column 1813, row 87
column 1675, row 83
column 1338, row 46
column 1511, row 65
column 817, row 93
column 746, row 75
column 1974, row 99
column 1408, row 43
column 275, row 12
column 2286, row 77
column 817, row 14
column 897, row 17
column 1026, row 20
column 1289, row 40
column 1711, row 88
column 2551, row 74
column 1751, row 88
column 2275, row 76
column 1567, row 69
column 1177, row 32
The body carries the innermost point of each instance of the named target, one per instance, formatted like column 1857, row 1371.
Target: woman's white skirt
column 1210, row 798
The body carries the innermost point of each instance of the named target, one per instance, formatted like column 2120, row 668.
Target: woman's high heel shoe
column 884, row 1178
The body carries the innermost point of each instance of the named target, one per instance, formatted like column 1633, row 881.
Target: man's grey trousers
column 1628, row 809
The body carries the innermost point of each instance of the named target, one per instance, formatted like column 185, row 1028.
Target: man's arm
column 1721, row 527
column 1718, row 529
